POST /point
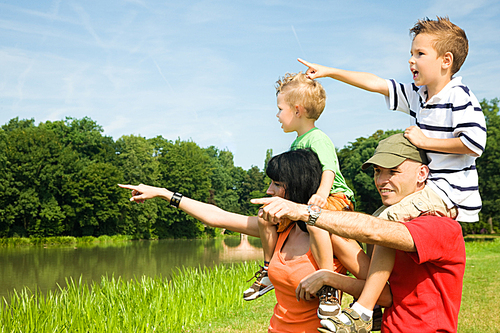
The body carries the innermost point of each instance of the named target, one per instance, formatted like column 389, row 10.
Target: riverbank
column 61, row 240
column 70, row 240
column 209, row 300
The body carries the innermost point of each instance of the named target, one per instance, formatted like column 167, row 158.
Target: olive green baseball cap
column 393, row 151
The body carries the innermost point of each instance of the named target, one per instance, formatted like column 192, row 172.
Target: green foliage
column 184, row 168
column 487, row 167
column 139, row 165
column 60, row 179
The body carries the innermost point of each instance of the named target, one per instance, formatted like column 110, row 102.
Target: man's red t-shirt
column 427, row 285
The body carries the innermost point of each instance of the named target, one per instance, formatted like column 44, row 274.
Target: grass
column 209, row 300
column 185, row 303
column 480, row 307
column 61, row 240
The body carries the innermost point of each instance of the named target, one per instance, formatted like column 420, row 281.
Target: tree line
column 60, row 179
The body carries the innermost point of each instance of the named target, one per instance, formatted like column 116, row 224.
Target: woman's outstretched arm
column 208, row 214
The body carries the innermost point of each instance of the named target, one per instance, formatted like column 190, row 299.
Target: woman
column 296, row 176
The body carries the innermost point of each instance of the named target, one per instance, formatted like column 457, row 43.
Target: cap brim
column 384, row 160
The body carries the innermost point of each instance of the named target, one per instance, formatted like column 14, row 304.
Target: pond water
column 43, row 268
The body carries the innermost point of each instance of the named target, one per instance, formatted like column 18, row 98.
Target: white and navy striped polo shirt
column 453, row 112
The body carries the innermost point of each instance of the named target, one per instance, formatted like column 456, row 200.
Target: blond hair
column 448, row 38
column 300, row 90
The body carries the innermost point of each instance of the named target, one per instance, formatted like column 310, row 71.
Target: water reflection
column 44, row 268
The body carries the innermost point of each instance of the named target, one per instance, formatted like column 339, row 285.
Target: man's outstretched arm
column 358, row 226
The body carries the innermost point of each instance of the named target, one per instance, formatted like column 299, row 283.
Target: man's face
column 395, row 184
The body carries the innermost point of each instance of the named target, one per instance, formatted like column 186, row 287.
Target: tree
column 351, row 157
column 253, row 186
column 32, row 162
column 136, row 159
column 184, row 168
column 487, row 167
column 222, row 192
column 84, row 136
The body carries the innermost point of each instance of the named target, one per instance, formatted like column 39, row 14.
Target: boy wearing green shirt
column 300, row 102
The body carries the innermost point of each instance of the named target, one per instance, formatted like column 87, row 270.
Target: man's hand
column 416, row 136
column 315, row 71
column 276, row 208
column 310, row 285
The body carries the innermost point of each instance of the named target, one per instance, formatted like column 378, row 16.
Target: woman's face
column 276, row 189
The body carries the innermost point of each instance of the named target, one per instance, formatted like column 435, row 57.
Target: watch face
column 314, row 208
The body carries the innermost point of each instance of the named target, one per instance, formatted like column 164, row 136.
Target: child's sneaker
column 329, row 304
column 261, row 285
column 357, row 325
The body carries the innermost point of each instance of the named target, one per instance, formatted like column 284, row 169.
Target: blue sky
column 205, row 70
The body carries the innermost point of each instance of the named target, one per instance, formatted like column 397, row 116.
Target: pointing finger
column 302, row 61
column 261, row 201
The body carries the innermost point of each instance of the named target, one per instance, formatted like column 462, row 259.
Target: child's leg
column 381, row 267
column 322, row 250
column 268, row 237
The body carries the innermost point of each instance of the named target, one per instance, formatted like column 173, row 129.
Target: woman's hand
column 142, row 192
column 310, row 285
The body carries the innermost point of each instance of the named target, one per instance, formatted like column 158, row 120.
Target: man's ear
column 423, row 173
column 447, row 60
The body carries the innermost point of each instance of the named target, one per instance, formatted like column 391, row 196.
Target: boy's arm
column 321, row 195
column 366, row 81
column 450, row 146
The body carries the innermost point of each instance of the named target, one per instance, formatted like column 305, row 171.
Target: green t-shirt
column 321, row 144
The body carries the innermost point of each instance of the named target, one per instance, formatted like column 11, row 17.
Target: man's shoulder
column 420, row 203
column 435, row 227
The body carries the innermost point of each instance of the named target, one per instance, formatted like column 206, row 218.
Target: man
column 426, row 281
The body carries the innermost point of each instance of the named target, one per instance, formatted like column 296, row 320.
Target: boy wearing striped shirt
column 447, row 121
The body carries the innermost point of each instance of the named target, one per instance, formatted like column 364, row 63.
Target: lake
column 46, row 267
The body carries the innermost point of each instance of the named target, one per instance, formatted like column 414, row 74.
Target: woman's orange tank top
column 289, row 314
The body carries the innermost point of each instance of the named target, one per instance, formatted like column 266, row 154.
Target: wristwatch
column 314, row 212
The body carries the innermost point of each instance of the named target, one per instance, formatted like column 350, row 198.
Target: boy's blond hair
column 299, row 90
column 448, row 38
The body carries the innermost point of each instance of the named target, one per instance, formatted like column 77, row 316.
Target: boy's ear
column 447, row 60
column 299, row 110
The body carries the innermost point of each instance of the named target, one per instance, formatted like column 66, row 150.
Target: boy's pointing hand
column 314, row 71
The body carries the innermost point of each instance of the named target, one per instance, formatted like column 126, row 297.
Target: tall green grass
column 189, row 299
column 209, row 300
